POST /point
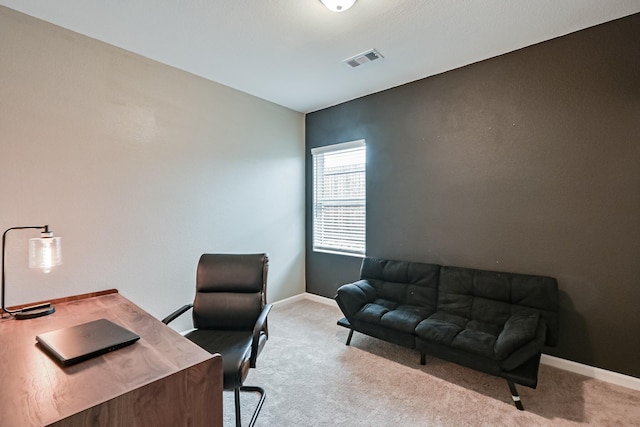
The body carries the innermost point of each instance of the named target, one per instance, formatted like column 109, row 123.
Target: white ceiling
column 290, row 51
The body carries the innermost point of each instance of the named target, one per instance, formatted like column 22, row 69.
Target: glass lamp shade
column 338, row 5
column 45, row 252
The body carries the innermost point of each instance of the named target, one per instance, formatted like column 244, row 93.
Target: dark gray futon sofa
column 490, row 321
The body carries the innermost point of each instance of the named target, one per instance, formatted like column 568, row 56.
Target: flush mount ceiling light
column 338, row 5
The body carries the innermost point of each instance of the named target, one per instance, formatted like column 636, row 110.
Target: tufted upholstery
column 394, row 295
column 491, row 321
column 492, row 314
column 405, row 293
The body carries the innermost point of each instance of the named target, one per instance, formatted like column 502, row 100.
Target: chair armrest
column 261, row 325
column 353, row 296
column 173, row 316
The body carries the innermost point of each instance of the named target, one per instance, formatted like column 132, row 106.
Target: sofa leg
column 423, row 358
column 349, row 337
column 515, row 396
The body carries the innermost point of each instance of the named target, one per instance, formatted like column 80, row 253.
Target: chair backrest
column 231, row 291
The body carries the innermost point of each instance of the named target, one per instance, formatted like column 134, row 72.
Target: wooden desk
column 161, row 380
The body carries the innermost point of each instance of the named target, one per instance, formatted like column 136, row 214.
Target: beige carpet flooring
column 313, row 379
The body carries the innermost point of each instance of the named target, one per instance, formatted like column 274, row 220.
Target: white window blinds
column 339, row 199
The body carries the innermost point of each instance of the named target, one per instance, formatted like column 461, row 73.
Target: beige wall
column 140, row 168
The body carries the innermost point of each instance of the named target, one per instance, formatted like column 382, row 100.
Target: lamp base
column 34, row 311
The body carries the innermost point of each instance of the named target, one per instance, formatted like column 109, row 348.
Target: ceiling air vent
column 363, row 58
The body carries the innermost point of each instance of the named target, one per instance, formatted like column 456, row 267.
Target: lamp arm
column 4, row 241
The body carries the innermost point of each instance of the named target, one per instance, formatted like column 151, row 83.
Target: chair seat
column 235, row 348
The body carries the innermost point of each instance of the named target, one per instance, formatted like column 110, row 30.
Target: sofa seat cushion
column 475, row 341
column 405, row 317
column 399, row 317
column 486, row 339
column 441, row 327
column 459, row 332
column 372, row 312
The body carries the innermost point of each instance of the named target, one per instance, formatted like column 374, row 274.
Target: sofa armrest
column 518, row 331
column 353, row 296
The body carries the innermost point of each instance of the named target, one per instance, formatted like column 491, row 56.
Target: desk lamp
column 44, row 253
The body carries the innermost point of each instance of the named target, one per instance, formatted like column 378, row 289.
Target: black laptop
column 81, row 342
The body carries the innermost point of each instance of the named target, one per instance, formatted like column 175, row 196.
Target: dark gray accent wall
column 528, row 162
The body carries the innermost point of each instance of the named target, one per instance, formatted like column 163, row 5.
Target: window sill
column 336, row 252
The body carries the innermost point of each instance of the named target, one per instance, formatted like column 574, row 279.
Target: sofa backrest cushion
column 403, row 282
column 492, row 297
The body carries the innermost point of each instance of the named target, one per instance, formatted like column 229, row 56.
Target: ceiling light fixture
column 338, row 5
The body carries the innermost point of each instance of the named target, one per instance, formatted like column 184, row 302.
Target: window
column 339, row 200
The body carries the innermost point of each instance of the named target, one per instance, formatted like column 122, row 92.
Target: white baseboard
column 321, row 300
column 307, row 296
column 291, row 300
column 566, row 365
column 592, row 372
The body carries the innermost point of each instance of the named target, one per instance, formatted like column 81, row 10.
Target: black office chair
column 230, row 316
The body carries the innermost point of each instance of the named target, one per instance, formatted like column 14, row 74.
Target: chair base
column 252, row 389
